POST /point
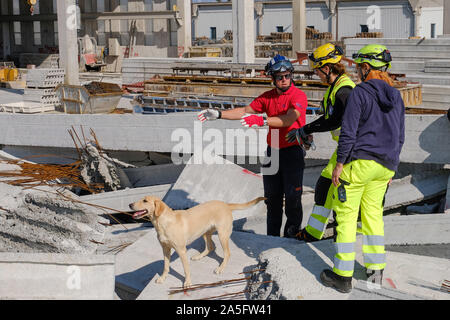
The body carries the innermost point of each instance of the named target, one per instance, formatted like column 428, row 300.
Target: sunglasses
column 285, row 76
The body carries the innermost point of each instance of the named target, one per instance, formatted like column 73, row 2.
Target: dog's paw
column 160, row 280
column 197, row 257
column 218, row 270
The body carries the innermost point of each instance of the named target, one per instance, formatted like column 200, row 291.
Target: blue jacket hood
column 385, row 95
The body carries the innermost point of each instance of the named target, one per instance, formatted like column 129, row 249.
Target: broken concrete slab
column 154, row 175
column 56, row 276
column 139, row 265
column 423, row 209
column 295, row 272
column 417, row 229
column 118, row 237
column 199, row 183
column 40, row 220
column 120, row 200
column 415, row 188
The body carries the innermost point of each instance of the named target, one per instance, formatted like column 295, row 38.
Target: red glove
column 253, row 120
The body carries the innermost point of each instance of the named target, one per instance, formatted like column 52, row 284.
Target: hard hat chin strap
column 327, row 75
column 365, row 75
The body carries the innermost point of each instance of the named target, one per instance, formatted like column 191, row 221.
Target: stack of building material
column 44, row 78
column 426, row 61
column 370, row 35
column 40, row 90
column 405, row 49
column 39, row 95
column 44, row 96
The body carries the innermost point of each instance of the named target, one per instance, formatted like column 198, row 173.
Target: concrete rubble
column 98, row 167
column 40, row 221
column 295, row 272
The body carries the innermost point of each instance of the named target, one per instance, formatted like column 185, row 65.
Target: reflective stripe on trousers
column 373, row 252
column 344, row 259
column 368, row 182
column 318, row 221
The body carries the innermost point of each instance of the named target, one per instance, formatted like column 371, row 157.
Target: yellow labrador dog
column 178, row 228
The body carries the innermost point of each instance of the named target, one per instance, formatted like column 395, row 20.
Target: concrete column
column 138, row 6
column 446, row 17
column 298, row 26
column 6, row 35
column 243, row 31
column 259, row 9
column 417, row 11
column 161, row 27
column 332, row 7
column 115, row 24
column 67, row 36
column 417, row 23
column 194, row 30
column 6, row 40
column 184, row 32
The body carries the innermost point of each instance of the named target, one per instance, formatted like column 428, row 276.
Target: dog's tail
column 242, row 206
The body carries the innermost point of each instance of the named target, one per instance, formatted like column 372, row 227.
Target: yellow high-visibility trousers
column 323, row 198
column 368, row 181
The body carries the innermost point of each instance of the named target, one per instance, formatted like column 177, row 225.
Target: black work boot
column 375, row 276
column 331, row 279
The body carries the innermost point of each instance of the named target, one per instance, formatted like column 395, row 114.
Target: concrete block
column 227, row 182
column 120, row 200
column 415, row 188
column 426, row 78
column 117, row 238
column 295, row 272
column 154, row 175
column 44, row 78
column 426, row 135
column 417, row 229
column 56, row 276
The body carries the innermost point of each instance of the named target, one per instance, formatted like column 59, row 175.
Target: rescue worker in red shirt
column 285, row 109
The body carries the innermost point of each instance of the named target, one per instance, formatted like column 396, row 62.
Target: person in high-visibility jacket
column 371, row 139
column 326, row 63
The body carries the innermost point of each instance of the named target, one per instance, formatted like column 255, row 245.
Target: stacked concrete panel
column 407, row 50
column 44, row 96
column 423, row 61
column 44, row 78
column 39, row 95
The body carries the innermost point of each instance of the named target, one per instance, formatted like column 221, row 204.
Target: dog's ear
column 159, row 207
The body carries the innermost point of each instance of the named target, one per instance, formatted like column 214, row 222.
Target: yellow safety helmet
column 328, row 53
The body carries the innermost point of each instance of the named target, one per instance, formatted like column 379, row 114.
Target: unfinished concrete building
column 137, row 28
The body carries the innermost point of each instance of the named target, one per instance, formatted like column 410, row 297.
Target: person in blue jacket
column 371, row 139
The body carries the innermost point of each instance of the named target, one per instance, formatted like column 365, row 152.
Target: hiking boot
column 375, row 276
column 331, row 279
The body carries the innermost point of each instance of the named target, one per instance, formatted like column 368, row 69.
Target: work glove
column 209, row 114
column 305, row 141
column 252, row 121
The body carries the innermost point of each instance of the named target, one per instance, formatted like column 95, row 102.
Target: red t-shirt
column 274, row 104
